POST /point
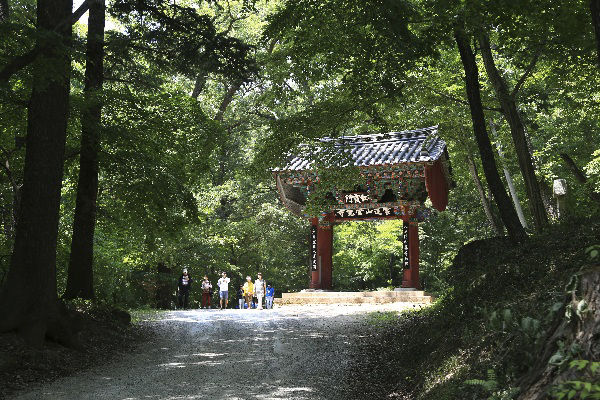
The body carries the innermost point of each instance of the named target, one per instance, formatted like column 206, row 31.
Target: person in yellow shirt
column 249, row 291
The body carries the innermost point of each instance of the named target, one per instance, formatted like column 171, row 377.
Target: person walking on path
column 259, row 290
column 269, row 295
column 248, row 291
column 240, row 295
column 206, row 292
column 224, row 289
column 185, row 282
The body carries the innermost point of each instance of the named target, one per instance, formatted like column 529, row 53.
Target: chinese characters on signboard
column 405, row 247
column 313, row 248
column 356, row 198
column 365, row 212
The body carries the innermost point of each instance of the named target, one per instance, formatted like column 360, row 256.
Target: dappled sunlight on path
column 292, row 352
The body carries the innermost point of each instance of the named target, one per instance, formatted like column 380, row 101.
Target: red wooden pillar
column 325, row 251
column 411, row 275
column 321, row 276
column 315, row 272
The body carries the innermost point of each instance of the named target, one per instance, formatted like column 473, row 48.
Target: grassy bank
column 489, row 325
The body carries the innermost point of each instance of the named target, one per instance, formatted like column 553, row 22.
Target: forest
column 137, row 138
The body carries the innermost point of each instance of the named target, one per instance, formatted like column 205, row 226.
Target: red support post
column 321, row 277
column 411, row 275
column 315, row 267
column 325, row 243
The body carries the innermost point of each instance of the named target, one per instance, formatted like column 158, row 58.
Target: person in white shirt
column 259, row 291
column 224, row 289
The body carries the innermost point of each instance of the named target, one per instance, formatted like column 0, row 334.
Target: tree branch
column 579, row 175
column 199, row 85
column 272, row 117
column 20, row 62
column 527, row 72
column 456, row 99
column 228, row 99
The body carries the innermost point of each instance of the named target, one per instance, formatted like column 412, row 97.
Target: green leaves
column 367, row 254
column 173, row 35
column 586, row 384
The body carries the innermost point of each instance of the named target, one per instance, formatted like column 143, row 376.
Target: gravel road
column 290, row 352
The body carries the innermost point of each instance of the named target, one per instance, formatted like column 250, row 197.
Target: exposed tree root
column 56, row 322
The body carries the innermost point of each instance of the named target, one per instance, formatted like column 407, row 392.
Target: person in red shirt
column 206, row 291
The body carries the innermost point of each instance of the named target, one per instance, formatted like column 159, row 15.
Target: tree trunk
column 582, row 331
column 164, row 287
column 80, row 280
column 10, row 224
column 509, row 181
column 595, row 11
column 221, row 173
column 517, row 130
column 21, row 61
column 199, row 85
column 29, row 302
column 4, row 10
column 487, row 207
column 505, row 206
column 227, row 99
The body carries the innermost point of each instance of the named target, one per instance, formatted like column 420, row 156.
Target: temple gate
column 400, row 170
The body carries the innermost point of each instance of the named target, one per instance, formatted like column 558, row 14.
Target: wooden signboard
column 313, row 248
column 358, row 213
column 405, row 247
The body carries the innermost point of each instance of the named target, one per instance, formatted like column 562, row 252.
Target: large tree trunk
column 219, row 177
column 80, row 280
column 164, row 287
column 517, row 129
column 487, row 207
column 595, row 11
column 505, row 206
column 29, row 302
column 582, row 331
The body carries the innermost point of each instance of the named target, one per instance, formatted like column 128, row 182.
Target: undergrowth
column 483, row 333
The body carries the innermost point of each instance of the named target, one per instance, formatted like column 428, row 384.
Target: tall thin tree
column 507, row 212
column 485, row 201
column 80, row 279
column 29, row 303
column 508, row 105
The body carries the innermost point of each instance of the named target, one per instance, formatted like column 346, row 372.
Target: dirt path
column 292, row 352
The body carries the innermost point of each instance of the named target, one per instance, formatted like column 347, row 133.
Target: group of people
column 258, row 289
column 246, row 293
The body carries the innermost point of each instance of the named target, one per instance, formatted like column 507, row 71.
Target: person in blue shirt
column 270, row 293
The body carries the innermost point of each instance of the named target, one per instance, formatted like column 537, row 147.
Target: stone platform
column 309, row 296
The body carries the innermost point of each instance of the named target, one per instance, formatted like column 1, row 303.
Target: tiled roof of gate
column 419, row 145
